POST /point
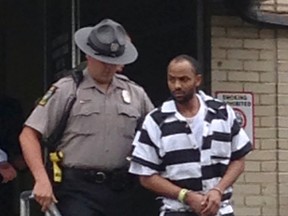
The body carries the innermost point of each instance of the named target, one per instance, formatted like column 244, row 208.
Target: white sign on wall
column 243, row 105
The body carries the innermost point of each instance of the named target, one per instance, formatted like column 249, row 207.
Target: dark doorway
column 159, row 29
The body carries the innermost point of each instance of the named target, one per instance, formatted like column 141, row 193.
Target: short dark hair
column 194, row 63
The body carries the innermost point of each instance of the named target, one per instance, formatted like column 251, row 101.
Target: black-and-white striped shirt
column 164, row 146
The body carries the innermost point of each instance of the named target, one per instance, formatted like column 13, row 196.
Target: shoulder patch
column 47, row 95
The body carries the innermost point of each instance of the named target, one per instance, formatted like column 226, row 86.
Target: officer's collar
column 88, row 82
column 118, row 83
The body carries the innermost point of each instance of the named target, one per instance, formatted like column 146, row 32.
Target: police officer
column 99, row 131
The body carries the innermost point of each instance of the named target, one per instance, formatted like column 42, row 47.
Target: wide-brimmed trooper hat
column 107, row 42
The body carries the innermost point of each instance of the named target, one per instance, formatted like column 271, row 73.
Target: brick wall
column 275, row 6
column 248, row 58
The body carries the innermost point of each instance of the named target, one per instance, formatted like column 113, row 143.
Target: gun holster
column 54, row 168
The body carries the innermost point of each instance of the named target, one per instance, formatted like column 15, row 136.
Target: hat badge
column 114, row 47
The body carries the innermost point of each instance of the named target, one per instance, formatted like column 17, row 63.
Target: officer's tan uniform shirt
column 101, row 126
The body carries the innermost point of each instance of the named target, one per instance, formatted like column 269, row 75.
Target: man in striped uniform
column 191, row 149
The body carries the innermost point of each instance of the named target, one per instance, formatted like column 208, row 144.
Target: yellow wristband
column 182, row 194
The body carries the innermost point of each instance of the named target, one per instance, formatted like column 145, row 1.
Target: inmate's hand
column 212, row 202
column 195, row 201
column 43, row 193
column 7, row 171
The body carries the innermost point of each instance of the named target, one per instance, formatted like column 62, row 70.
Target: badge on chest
column 126, row 96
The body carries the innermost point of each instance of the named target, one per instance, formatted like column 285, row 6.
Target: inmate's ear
column 198, row 80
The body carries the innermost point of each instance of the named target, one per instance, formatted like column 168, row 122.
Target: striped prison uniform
column 163, row 146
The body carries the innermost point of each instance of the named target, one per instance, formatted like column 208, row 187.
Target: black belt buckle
column 100, row 177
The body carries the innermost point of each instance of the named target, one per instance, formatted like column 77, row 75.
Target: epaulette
column 125, row 78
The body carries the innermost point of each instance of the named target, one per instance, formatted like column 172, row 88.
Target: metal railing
column 25, row 198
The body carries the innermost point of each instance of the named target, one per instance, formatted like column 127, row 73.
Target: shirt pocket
column 84, row 117
column 220, row 157
column 128, row 115
column 220, row 152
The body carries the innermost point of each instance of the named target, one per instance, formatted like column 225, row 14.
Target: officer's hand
column 212, row 202
column 195, row 200
column 7, row 171
column 43, row 193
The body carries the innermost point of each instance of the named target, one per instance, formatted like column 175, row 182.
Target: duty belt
column 97, row 176
column 117, row 179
